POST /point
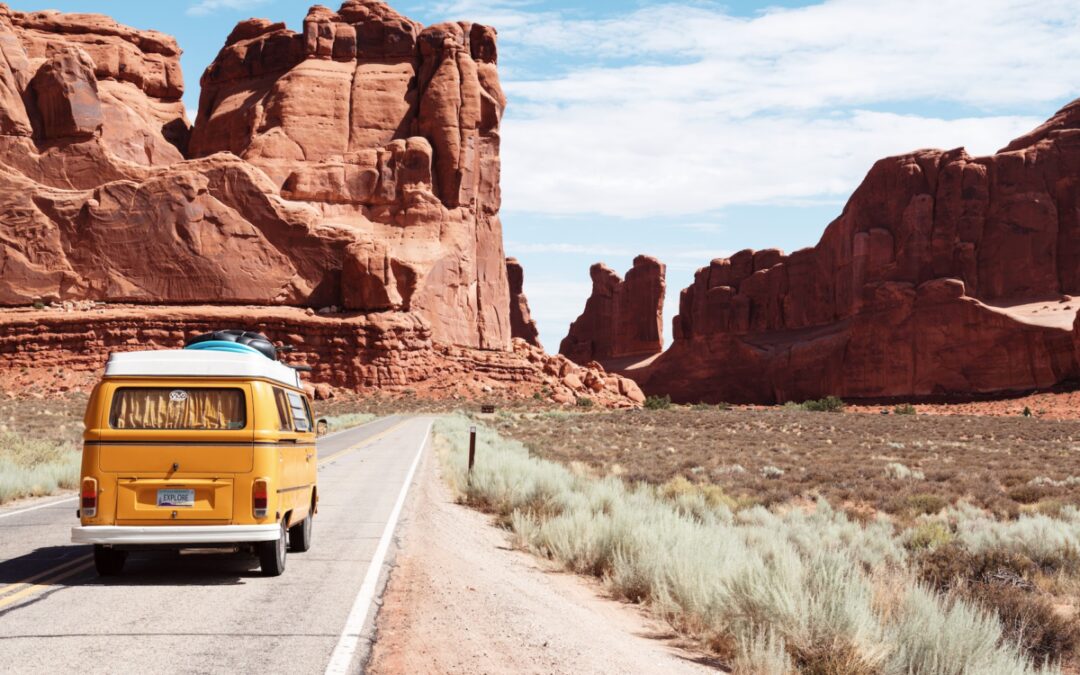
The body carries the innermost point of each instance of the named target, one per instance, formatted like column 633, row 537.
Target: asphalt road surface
column 213, row 612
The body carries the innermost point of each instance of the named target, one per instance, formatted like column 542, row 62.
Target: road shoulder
column 461, row 600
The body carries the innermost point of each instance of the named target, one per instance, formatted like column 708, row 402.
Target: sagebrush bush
column 827, row 404
column 904, row 409
column 772, row 591
column 658, row 402
column 898, row 471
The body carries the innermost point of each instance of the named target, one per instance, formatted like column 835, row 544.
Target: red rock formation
column 621, row 318
column 923, row 286
column 355, row 164
column 390, row 349
column 521, row 321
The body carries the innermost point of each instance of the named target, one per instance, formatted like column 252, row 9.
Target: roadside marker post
column 472, row 449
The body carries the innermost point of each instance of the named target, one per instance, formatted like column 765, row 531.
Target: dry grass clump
column 33, row 467
column 40, row 443
column 347, row 420
column 797, row 590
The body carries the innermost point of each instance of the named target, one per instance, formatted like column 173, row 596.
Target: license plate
column 180, row 498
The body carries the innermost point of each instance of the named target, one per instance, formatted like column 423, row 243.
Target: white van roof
column 198, row 363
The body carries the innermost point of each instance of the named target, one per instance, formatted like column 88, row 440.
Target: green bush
column 827, row 404
column 658, row 402
column 904, row 409
column 584, row 402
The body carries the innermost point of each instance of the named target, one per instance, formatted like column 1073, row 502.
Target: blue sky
column 689, row 130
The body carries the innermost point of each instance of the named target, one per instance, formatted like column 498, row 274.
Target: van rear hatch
column 174, row 450
column 172, row 499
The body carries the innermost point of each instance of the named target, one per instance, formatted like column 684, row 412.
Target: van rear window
column 172, row 408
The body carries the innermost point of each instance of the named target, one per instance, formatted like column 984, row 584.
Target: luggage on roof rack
column 231, row 338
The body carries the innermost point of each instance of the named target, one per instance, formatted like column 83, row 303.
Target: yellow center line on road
column 367, row 441
column 11, row 599
column 8, row 588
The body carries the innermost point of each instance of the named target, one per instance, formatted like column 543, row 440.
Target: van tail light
column 89, row 500
column 260, row 497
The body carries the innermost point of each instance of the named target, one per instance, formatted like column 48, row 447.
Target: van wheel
column 272, row 554
column 108, row 561
column 300, row 534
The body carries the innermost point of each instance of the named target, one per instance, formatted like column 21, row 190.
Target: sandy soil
column 460, row 600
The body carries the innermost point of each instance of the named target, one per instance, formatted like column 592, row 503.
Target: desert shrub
column 951, row 566
column 898, row 471
column 583, row 402
column 773, row 591
column 827, row 404
column 1029, row 620
column 904, row 409
column 916, row 504
column 930, row 534
column 33, row 467
column 658, row 402
column 938, row 635
column 1051, row 543
column 772, row 472
column 1028, row 493
column 762, row 653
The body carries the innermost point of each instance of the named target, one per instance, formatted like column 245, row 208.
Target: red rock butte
column 945, row 275
column 623, row 319
column 352, row 168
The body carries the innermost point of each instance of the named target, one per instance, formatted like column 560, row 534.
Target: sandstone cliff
column 622, row 318
column 352, row 167
column 354, row 164
column 945, row 274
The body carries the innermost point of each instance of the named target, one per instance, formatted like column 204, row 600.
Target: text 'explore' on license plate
column 176, row 498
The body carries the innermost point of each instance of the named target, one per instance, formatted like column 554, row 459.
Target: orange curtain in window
column 161, row 408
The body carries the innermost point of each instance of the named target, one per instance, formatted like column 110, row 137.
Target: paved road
column 212, row 613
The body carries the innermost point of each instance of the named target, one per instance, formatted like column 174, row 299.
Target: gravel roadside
column 461, row 600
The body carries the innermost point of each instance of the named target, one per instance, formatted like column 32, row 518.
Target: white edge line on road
column 39, row 506
column 354, row 625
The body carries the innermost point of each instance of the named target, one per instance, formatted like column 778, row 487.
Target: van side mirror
column 321, row 427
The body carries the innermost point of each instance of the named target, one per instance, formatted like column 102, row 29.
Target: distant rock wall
column 622, row 318
column 916, row 289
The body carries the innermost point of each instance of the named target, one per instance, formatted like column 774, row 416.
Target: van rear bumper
column 121, row 535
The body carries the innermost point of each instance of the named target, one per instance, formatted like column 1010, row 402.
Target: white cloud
column 681, row 109
column 517, row 247
column 207, row 7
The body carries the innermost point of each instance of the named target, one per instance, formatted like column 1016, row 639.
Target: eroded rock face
column 521, row 321
column 622, row 318
column 354, row 164
column 923, row 286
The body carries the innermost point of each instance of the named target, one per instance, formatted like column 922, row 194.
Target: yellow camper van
column 208, row 446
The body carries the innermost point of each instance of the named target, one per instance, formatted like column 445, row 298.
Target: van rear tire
column 300, row 534
column 272, row 553
column 108, row 561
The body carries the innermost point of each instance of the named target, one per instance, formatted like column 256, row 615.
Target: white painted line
column 39, row 506
column 354, row 625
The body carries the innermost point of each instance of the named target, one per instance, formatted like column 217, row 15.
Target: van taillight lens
column 260, row 497
column 89, row 497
